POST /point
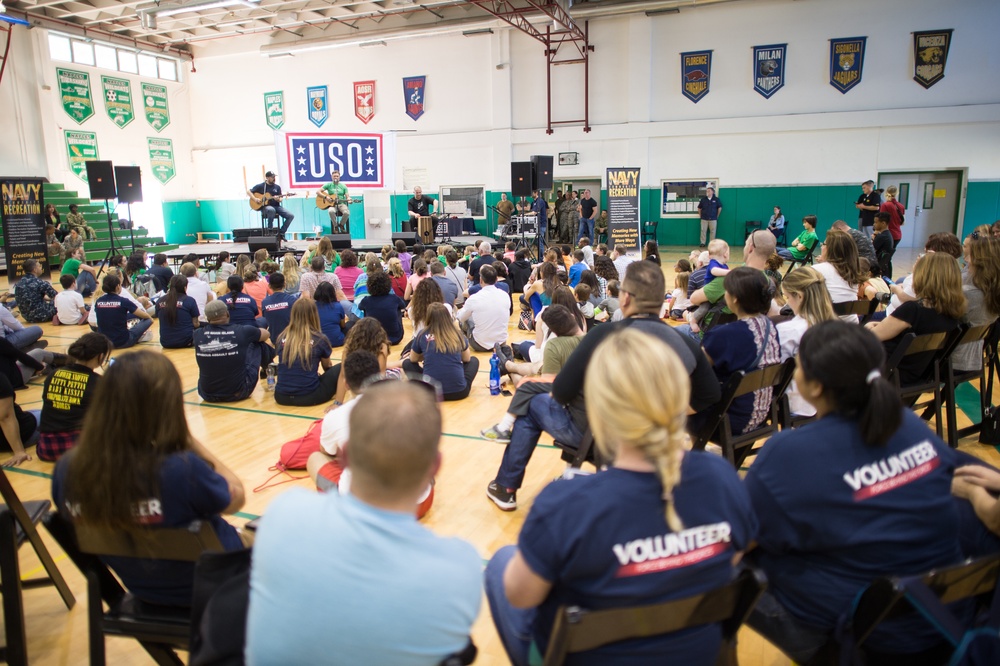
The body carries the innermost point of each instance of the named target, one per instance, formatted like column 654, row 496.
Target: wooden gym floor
column 247, row 436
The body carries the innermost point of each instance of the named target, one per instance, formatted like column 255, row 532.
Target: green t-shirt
column 806, row 238
column 557, row 350
column 336, row 189
column 71, row 267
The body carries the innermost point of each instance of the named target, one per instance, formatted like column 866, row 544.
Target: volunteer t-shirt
column 330, row 316
column 112, row 314
column 387, row 309
column 221, row 353
column 296, row 379
column 242, row 310
column 277, row 310
column 178, row 334
column 446, row 368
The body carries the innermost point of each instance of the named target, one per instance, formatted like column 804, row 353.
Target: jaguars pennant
column 847, row 58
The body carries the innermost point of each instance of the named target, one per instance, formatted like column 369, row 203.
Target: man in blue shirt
column 541, row 208
column 277, row 308
column 710, row 208
column 273, row 205
column 230, row 357
column 367, row 547
column 113, row 312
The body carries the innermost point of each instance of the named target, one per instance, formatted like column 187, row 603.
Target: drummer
column 420, row 206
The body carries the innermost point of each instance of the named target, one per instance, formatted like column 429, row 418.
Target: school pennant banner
column 154, row 98
column 696, row 73
column 413, row 95
column 769, row 69
column 161, row 158
column 318, row 104
column 274, row 109
column 80, row 148
column 930, row 54
column 847, row 60
column 310, row 158
column 74, row 87
column 364, row 100
column 118, row 100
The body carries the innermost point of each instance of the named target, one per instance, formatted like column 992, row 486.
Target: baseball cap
column 268, row 174
column 215, row 309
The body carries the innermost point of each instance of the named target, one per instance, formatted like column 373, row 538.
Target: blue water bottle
column 494, row 375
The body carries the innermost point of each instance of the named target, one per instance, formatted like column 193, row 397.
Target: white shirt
column 199, row 291
column 336, row 430
column 790, row 335
column 68, row 304
column 489, row 309
column 894, row 302
column 621, row 264
column 588, row 255
column 840, row 291
column 9, row 322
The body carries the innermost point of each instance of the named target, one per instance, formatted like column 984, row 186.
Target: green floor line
column 967, row 399
column 191, row 390
column 252, row 411
column 248, row 516
column 29, row 472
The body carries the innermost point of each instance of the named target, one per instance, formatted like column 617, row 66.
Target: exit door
column 931, row 200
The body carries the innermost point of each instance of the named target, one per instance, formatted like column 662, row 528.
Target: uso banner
column 769, row 69
column 847, row 59
column 308, row 159
column 930, row 55
column 21, row 206
column 696, row 73
column 624, row 229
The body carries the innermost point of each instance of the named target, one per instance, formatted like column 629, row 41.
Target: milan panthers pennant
column 364, row 100
column 930, row 54
column 413, row 95
column 769, row 69
column 847, row 58
column 696, row 73
column 318, row 109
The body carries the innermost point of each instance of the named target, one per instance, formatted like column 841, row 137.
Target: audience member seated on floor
column 67, row 395
column 545, row 286
column 981, row 286
column 805, row 293
column 277, row 308
column 700, row 271
column 316, row 275
column 142, row 468
column 944, row 242
column 365, row 546
column 16, row 333
column 301, row 350
column 838, row 264
column 141, row 302
column 485, row 258
column 449, row 289
column 747, row 344
column 385, row 306
column 563, row 335
column 293, row 276
column 254, row 287
column 397, row 276
column 563, row 414
column 372, row 266
column 863, row 492
column 19, row 367
column 940, row 305
column 369, row 335
column 243, row 309
column 427, row 292
column 799, row 248
column 332, row 318
column 18, row 428
column 530, row 351
column 458, row 275
column 485, row 314
column 33, row 295
column 70, row 308
column 113, row 312
column 575, row 545
column 420, row 273
column 178, row 315
column 348, row 272
column 197, row 288
column 445, row 354
column 84, row 274
column 231, row 357
column 161, row 273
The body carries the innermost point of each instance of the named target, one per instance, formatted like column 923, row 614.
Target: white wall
column 23, row 151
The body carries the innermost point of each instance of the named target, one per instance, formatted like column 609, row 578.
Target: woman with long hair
column 981, row 286
column 141, row 467
column 777, row 222
column 862, row 492
column 420, row 273
column 372, row 266
column 223, row 268
column 242, row 307
column 178, row 315
column 332, row 320
column 604, row 267
column 940, row 305
column 445, row 353
column 366, row 334
column 426, row 293
column 651, row 251
column 302, row 349
column 597, row 286
column 840, row 267
column 546, row 284
column 254, row 287
column 805, row 293
column 896, row 211
column 397, row 277
column 68, row 393
column 585, row 538
column 290, row 269
column 384, row 306
column 404, row 256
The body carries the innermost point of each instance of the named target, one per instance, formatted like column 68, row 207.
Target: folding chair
column 808, row 259
column 781, row 237
column 17, row 525
column 749, row 227
column 936, row 346
column 952, row 379
column 649, row 230
column 159, row 629
column 863, row 309
column 579, row 630
column 586, row 452
column 736, row 448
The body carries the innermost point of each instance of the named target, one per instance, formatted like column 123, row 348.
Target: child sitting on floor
column 679, row 301
column 582, row 293
column 70, row 310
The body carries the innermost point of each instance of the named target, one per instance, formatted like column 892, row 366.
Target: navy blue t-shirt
column 277, row 310
column 181, row 332
column 447, row 369
column 189, row 490
column 330, row 316
column 836, row 513
column 221, row 353
column 243, row 310
column 161, row 275
column 295, row 379
column 388, row 310
column 112, row 315
column 603, row 542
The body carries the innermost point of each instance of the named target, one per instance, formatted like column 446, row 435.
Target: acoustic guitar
column 324, row 200
column 258, row 201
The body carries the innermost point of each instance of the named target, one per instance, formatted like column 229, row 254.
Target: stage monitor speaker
column 241, row 235
column 101, row 178
column 129, row 181
column 542, row 171
column 269, row 243
column 520, row 179
column 339, row 241
column 408, row 237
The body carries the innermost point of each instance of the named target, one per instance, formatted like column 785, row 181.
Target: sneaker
column 498, row 350
column 146, row 337
column 502, row 497
column 495, row 434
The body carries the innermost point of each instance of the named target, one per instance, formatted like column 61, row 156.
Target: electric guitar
column 324, row 200
column 258, row 201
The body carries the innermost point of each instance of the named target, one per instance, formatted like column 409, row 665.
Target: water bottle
column 272, row 371
column 494, row 375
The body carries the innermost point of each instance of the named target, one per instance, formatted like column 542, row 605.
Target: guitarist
column 335, row 193
column 271, row 192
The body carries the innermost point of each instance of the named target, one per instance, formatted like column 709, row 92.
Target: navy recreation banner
column 624, row 231
column 769, row 68
column 847, row 60
column 21, row 210
column 930, row 55
column 696, row 74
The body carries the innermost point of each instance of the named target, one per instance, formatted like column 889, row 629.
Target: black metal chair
column 18, row 522
column 806, row 260
column 579, row 630
column 937, row 346
column 649, row 230
column 587, row 452
column 863, row 309
column 751, row 226
column 781, row 236
column 952, row 378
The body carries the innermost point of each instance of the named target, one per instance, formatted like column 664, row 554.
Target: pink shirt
column 348, row 276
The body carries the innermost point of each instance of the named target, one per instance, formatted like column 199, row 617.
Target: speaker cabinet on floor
column 339, row 241
column 269, row 243
column 520, row 179
column 408, row 237
column 101, row 178
column 542, row 171
column 129, row 182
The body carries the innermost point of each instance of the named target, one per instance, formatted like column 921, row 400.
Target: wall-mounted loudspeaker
column 269, row 243
column 101, row 178
column 339, row 241
column 542, row 171
column 520, row 179
column 129, row 182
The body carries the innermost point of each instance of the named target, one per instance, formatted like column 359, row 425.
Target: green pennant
column 118, row 100
column 74, row 88
column 161, row 158
column 154, row 99
column 274, row 109
column 80, row 148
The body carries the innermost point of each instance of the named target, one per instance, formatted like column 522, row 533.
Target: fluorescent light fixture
column 366, row 45
column 481, row 31
column 280, row 55
column 657, row 12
